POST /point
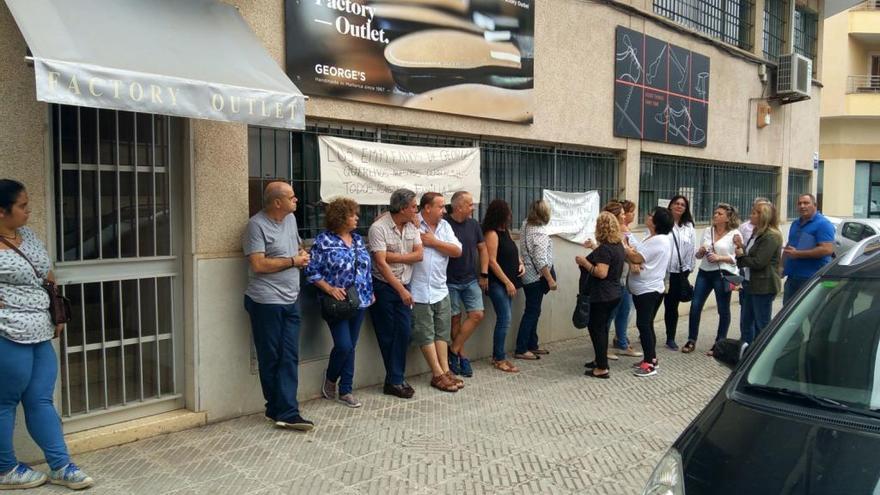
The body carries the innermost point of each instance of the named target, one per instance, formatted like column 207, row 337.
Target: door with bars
column 117, row 255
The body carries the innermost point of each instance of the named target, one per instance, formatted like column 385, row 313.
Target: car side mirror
column 729, row 351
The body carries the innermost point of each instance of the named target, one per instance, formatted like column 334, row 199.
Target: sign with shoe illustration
column 466, row 57
column 661, row 91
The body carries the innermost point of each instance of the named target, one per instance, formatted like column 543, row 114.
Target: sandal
column 505, row 366
column 529, row 355
column 592, row 373
column 689, row 347
column 540, row 351
column 590, row 365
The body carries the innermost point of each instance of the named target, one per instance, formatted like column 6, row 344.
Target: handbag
column 545, row 286
column 730, row 281
column 685, row 289
column 581, row 315
column 333, row 310
column 59, row 306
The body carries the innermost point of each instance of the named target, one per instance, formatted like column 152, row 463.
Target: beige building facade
column 850, row 119
column 186, row 289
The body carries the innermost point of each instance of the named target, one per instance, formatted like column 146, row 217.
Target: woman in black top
column 605, row 265
column 505, row 270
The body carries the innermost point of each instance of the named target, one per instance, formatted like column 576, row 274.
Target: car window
column 827, row 346
column 867, row 232
column 852, row 231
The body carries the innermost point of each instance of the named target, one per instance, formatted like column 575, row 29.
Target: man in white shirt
column 432, row 312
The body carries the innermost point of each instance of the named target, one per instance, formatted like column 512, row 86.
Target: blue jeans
column 791, row 288
column 502, row 303
column 341, row 364
column 755, row 312
column 527, row 336
column 28, row 374
column 620, row 315
column 276, row 336
column 707, row 282
column 392, row 321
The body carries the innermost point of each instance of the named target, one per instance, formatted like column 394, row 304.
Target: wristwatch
column 484, row 275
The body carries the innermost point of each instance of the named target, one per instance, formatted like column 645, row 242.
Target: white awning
column 190, row 58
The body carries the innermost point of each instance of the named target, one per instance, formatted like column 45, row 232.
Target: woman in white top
column 647, row 285
column 684, row 241
column 718, row 254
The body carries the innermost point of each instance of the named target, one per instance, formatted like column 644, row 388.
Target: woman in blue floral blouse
column 339, row 260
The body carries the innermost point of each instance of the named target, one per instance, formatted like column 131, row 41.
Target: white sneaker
column 20, row 477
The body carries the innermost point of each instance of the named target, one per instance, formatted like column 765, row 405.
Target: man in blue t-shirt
column 809, row 247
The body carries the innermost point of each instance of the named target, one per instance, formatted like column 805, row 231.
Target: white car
column 849, row 231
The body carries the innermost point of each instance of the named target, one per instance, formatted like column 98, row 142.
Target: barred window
column 705, row 183
column 730, row 21
column 510, row 171
column 775, row 14
column 798, row 183
column 806, row 33
column 517, row 173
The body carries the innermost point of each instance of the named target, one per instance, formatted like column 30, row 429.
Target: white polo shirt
column 428, row 285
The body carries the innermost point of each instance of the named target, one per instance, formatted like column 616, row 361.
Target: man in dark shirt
column 465, row 288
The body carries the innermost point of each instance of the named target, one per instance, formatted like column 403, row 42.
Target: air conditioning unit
column 794, row 75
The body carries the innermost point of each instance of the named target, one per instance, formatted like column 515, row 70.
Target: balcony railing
column 863, row 84
column 868, row 5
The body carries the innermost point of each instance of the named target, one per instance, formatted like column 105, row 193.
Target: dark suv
column 800, row 414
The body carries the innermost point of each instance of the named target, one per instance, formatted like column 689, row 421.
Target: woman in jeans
column 28, row 366
column 605, row 264
column 759, row 259
column 339, row 260
column 538, row 278
column 505, row 270
column 647, row 285
column 684, row 240
column 718, row 258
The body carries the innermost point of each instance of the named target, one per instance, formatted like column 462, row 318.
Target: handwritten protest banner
column 573, row 215
column 369, row 172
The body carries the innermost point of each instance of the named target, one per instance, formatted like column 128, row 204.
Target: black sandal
column 689, row 347
column 603, row 376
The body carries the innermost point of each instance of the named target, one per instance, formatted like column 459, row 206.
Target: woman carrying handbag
column 28, row 365
column 340, row 269
column 684, row 241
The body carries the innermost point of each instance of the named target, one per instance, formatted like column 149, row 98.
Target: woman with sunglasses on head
column 684, row 240
column 718, row 254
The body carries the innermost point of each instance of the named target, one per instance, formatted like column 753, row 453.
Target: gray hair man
column 396, row 246
column 466, row 287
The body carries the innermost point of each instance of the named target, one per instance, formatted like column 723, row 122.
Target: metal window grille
column 730, row 21
column 517, row 173
column 115, row 256
column 806, row 33
column 510, row 171
column 798, row 183
column 705, row 183
column 775, row 15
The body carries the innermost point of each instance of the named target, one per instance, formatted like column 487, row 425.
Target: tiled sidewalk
column 548, row 429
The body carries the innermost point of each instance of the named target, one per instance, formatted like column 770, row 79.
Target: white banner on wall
column 369, row 172
column 572, row 215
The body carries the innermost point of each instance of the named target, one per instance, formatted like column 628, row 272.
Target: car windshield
column 828, row 348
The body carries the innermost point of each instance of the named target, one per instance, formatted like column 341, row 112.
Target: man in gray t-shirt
column 273, row 250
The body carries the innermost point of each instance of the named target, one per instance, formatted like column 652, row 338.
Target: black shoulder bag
column 581, row 315
column 685, row 289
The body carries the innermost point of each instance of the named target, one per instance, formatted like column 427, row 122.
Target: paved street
column 548, row 429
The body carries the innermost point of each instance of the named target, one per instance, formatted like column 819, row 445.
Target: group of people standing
column 421, row 275
column 423, row 271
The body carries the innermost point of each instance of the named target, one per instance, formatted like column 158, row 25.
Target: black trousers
column 670, row 307
column 647, row 306
column 599, row 325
